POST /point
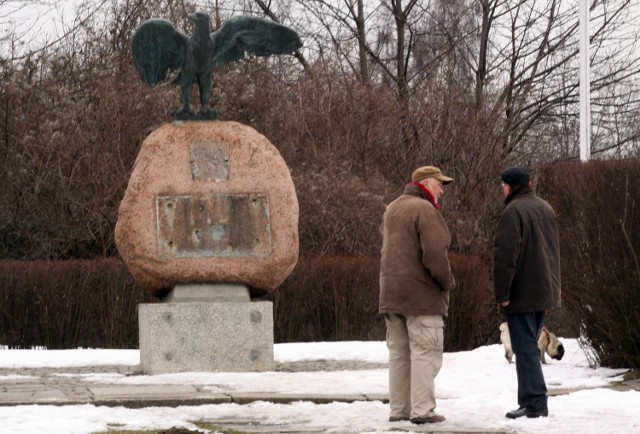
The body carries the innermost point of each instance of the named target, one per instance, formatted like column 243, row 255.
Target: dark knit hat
column 515, row 176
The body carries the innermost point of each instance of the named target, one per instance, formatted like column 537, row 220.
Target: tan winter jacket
column 415, row 276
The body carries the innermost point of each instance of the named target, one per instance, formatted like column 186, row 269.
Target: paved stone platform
column 69, row 386
column 249, row 426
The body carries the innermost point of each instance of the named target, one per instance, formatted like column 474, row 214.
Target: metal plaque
column 222, row 225
column 209, row 161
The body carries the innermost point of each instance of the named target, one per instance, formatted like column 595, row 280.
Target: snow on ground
column 474, row 389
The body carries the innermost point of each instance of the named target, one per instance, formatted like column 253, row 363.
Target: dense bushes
column 68, row 304
column 329, row 299
column 336, row 298
column 598, row 205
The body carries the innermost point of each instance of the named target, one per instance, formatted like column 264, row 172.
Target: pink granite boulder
column 209, row 202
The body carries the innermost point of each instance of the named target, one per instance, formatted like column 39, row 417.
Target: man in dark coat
column 415, row 280
column 527, row 281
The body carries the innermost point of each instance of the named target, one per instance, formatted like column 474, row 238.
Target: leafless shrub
column 69, row 304
column 598, row 205
column 336, row 298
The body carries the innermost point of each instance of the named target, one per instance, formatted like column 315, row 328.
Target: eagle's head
column 201, row 20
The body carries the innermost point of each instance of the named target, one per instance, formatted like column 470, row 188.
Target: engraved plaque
column 221, row 225
column 209, row 161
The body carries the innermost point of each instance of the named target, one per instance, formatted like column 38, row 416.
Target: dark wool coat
column 415, row 277
column 526, row 267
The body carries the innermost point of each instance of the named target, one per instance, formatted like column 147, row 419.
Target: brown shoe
column 431, row 419
column 398, row 418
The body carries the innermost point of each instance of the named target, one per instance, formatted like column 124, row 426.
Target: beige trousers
column 415, row 357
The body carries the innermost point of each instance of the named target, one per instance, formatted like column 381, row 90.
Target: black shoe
column 436, row 418
column 514, row 414
column 538, row 413
column 398, row 418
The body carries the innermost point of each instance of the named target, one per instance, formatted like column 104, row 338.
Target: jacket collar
column 518, row 192
column 417, row 189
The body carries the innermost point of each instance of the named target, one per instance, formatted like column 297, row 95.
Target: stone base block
column 206, row 337
column 208, row 293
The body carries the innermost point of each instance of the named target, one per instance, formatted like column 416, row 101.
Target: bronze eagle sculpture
column 159, row 48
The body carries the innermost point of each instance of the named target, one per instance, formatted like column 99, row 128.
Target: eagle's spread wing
column 253, row 35
column 157, row 48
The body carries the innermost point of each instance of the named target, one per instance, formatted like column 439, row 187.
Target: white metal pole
column 585, row 106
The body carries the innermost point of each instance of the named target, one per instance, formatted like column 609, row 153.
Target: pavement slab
column 287, row 398
column 69, row 386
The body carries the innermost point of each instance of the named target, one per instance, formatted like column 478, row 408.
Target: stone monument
column 209, row 221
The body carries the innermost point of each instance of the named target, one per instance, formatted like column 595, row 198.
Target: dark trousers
column 524, row 329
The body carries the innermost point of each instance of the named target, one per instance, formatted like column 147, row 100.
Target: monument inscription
column 218, row 225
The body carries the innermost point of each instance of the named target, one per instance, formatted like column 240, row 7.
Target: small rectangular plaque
column 221, row 225
column 209, row 161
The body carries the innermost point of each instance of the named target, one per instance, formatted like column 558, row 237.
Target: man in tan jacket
column 415, row 280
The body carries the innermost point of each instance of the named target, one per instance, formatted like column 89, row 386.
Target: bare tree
column 527, row 64
column 469, row 85
column 341, row 26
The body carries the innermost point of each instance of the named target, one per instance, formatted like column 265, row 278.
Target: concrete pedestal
column 206, row 337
